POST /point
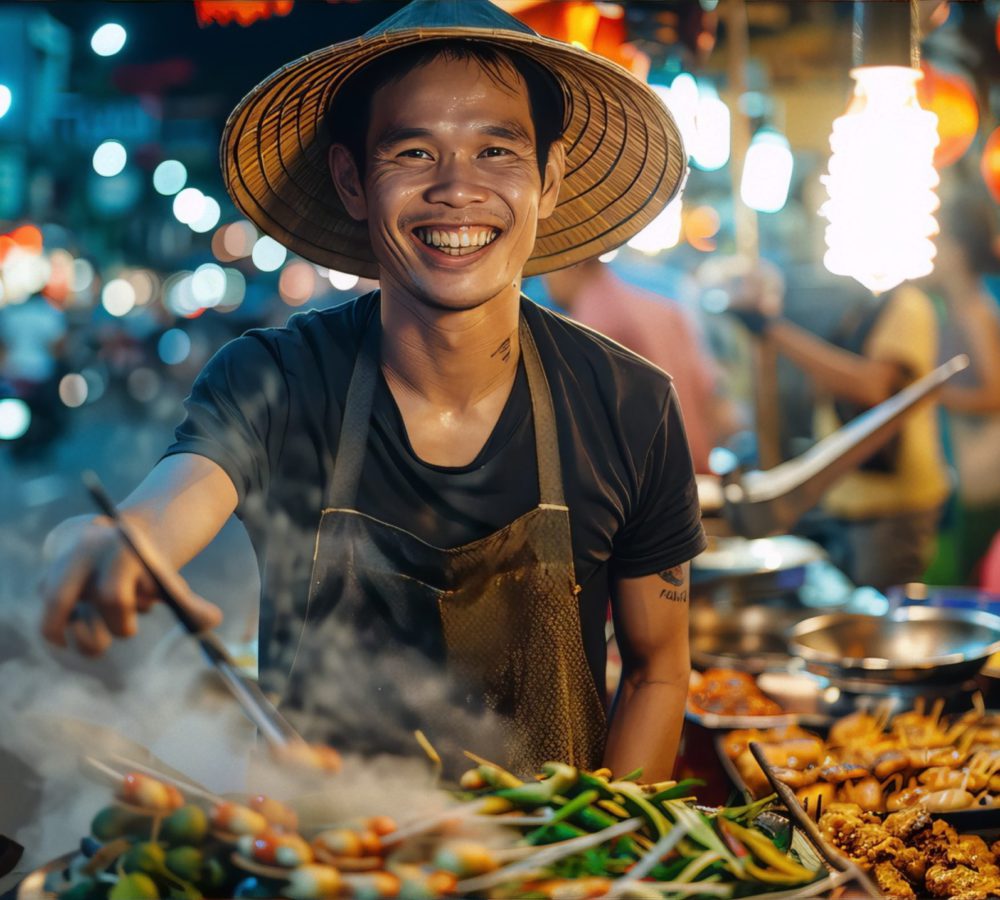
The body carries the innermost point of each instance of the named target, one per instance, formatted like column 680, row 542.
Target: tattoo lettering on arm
column 503, row 351
column 675, row 578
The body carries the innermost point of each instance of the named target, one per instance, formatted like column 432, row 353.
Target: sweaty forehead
column 455, row 89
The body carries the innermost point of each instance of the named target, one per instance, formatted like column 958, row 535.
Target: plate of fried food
column 884, row 764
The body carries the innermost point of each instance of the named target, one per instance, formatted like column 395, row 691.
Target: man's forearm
column 646, row 723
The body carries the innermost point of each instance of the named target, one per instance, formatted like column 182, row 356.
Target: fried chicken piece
column 907, row 822
column 933, row 842
column 961, row 883
column 971, row 851
column 891, row 882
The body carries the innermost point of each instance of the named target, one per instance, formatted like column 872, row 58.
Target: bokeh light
column 108, row 39
column 208, row 285
column 267, row 254
column 83, row 275
column 297, row 283
column 239, row 239
column 118, row 297
column 209, row 218
column 189, row 204
column 110, row 158
column 342, row 281
column 73, row 390
column 169, row 177
column 6, row 98
column 15, row 418
column 174, row 346
column 236, row 288
column 144, row 283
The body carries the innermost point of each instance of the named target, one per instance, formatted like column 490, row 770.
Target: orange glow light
column 952, row 99
column 989, row 165
column 243, row 12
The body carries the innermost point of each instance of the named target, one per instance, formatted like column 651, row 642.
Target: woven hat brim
column 625, row 158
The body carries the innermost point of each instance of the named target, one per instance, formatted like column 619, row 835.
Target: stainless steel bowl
column 915, row 643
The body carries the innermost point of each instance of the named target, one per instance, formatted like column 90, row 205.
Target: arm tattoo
column 677, row 591
column 503, row 351
column 674, row 576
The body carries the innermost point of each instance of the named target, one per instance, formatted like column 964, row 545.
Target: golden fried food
column 913, row 855
column 728, row 692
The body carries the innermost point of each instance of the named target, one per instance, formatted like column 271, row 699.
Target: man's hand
column 94, row 587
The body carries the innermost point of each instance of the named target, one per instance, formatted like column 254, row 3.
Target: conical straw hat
column 625, row 160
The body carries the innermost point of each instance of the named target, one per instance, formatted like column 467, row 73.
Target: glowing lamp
column 662, row 233
column 989, row 165
column 243, row 12
column 881, row 182
column 767, row 172
column 952, row 99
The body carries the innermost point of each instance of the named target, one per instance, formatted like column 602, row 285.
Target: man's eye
column 415, row 153
column 496, row 151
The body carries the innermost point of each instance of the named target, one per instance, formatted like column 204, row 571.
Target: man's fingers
column 90, row 634
column 61, row 589
column 115, row 594
column 207, row 615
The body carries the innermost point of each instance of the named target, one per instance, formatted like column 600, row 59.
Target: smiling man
column 444, row 483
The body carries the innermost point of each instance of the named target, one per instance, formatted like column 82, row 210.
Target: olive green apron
column 480, row 646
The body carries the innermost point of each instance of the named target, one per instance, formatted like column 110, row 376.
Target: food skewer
column 272, row 725
column 809, row 828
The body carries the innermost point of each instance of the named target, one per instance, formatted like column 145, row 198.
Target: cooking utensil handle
column 809, row 828
column 272, row 725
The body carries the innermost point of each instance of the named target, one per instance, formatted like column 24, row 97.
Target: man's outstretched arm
column 651, row 625
column 180, row 506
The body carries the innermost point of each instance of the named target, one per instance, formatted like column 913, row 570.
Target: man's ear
column 347, row 181
column 555, row 167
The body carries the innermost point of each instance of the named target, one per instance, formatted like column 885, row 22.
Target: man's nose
column 457, row 183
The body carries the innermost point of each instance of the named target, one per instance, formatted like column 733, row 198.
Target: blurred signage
column 34, row 66
column 87, row 122
column 13, row 181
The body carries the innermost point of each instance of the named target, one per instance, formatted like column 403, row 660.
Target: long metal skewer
column 174, row 591
column 833, row 857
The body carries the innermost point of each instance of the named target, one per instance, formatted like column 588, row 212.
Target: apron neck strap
column 353, row 444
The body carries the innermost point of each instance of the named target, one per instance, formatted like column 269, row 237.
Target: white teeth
column 457, row 243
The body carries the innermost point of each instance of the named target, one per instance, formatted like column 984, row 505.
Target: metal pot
column 912, row 644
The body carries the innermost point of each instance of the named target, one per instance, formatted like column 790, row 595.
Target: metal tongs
column 274, row 728
column 758, row 504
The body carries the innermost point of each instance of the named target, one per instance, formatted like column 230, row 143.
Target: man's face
column 452, row 192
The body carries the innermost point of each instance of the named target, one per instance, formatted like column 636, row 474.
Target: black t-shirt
column 267, row 409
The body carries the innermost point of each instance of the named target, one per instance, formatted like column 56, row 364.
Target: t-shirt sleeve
column 236, row 412
column 664, row 528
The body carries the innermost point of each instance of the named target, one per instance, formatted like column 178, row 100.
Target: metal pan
column 912, row 644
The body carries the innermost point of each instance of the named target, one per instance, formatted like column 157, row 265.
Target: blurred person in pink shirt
column 662, row 332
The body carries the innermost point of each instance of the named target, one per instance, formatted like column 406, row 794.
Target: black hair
column 349, row 114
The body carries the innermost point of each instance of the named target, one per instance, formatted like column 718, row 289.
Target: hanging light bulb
column 767, row 172
column 881, row 182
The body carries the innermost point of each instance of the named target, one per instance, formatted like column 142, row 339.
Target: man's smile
column 457, row 241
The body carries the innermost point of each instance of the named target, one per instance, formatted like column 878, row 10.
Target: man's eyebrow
column 395, row 135
column 513, row 131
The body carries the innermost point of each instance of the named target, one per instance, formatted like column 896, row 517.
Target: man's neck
column 448, row 358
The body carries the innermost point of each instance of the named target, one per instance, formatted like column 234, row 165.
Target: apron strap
column 353, row 444
column 550, row 483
